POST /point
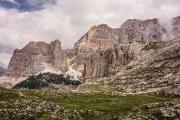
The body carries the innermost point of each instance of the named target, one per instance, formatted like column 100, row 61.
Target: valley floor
column 50, row 104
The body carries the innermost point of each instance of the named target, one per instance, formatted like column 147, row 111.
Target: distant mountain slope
column 2, row 71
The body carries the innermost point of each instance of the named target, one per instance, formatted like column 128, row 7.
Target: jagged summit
column 36, row 57
column 100, row 26
column 148, row 30
column 98, row 37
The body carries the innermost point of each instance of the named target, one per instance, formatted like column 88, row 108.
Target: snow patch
column 74, row 75
column 50, row 69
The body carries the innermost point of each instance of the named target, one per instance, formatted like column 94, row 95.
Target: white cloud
column 68, row 20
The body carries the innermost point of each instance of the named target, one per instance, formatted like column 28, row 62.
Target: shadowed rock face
column 35, row 57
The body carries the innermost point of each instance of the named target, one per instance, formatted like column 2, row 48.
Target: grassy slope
column 72, row 105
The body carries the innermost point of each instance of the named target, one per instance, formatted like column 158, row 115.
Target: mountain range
column 101, row 52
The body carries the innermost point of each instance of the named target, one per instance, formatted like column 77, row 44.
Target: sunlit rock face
column 98, row 37
column 36, row 57
column 108, row 62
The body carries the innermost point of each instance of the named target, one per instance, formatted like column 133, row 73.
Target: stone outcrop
column 36, row 57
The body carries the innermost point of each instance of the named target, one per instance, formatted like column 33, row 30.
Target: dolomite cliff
column 37, row 57
column 109, row 62
column 104, row 51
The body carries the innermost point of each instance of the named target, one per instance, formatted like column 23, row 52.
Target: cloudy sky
column 22, row 21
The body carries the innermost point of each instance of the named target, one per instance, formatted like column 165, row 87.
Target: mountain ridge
column 101, row 52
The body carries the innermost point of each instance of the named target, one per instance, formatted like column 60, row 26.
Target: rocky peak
column 147, row 30
column 58, row 55
column 35, row 48
column 98, row 37
column 56, row 45
column 36, row 57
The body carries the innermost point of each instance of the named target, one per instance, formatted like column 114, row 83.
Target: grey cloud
column 37, row 2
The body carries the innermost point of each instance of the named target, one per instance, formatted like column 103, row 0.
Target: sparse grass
column 106, row 105
column 6, row 94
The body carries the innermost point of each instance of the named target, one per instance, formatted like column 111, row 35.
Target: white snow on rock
column 74, row 75
column 50, row 69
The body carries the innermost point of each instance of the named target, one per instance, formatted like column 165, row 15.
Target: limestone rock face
column 99, row 64
column 36, row 57
column 108, row 62
column 98, row 37
column 58, row 56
